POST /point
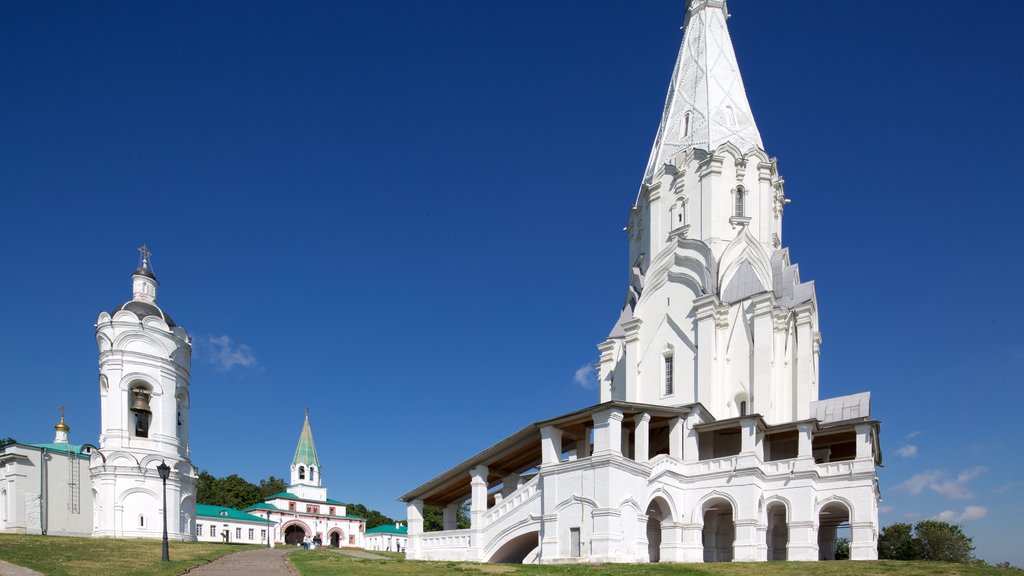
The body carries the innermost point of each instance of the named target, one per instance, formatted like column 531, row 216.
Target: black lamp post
column 164, row 470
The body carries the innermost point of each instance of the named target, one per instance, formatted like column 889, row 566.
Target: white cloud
column 969, row 513
column 939, row 482
column 885, row 509
column 586, row 376
column 915, row 434
column 908, row 451
column 1005, row 487
column 225, row 354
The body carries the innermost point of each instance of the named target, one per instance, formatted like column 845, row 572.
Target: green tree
column 433, row 518
column 897, row 542
column 843, row 549
column 270, row 486
column 7, row 441
column 943, row 542
column 373, row 517
column 232, row 491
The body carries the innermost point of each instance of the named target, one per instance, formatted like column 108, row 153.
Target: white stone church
column 710, row 442
column 114, row 489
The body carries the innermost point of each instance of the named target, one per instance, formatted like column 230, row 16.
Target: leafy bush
column 927, row 540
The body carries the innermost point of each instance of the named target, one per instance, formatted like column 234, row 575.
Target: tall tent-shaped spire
column 305, row 452
column 706, row 104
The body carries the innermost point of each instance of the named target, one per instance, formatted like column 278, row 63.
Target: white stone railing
column 513, row 501
column 711, row 466
column 845, row 467
column 447, row 539
column 779, row 467
column 663, row 462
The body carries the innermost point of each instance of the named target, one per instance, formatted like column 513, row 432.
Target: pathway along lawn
column 66, row 556
column 328, row 563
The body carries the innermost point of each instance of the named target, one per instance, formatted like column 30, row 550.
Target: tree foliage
column 927, row 540
column 433, row 518
column 235, row 491
column 373, row 517
column 7, row 441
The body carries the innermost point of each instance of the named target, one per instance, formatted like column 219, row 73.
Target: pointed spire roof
column 706, row 104
column 305, row 452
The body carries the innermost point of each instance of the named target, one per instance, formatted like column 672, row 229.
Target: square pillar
column 864, row 444
column 764, row 341
column 749, row 437
column 691, row 439
column 583, row 444
column 478, row 502
column 450, row 514
column 414, row 515
column 704, row 308
column 509, row 484
column 692, row 548
column 804, row 362
column 805, row 431
column 608, row 431
column 642, row 434
column 632, row 339
column 626, row 432
column 675, row 438
column 551, row 445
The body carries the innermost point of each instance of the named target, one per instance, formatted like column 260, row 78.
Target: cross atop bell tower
column 144, row 282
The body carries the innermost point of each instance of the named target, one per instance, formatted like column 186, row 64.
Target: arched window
column 3, row 506
column 302, row 472
column 312, row 474
column 730, row 116
column 139, row 410
column 743, row 407
column 142, row 522
column 740, row 193
column 686, row 124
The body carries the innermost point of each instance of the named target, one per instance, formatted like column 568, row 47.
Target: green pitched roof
column 221, row 512
column 65, row 448
column 262, row 506
column 305, row 452
column 389, row 529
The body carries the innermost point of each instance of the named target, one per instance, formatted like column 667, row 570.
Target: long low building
column 387, row 538
column 223, row 524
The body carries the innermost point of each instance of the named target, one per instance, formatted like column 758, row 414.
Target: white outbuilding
column 709, row 441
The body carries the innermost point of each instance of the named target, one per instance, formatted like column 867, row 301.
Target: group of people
column 312, row 543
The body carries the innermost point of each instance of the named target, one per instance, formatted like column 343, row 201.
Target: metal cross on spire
column 144, row 254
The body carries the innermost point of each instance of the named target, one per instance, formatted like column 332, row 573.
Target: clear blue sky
column 408, row 217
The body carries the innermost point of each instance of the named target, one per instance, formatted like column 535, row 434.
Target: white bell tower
column 144, row 360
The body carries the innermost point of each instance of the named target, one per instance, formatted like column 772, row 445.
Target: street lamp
column 164, row 470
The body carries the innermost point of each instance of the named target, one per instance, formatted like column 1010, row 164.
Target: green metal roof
column 290, row 496
column 263, row 506
column 305, row 452
column 64, row 448
column 223, row 512
column 389, row 529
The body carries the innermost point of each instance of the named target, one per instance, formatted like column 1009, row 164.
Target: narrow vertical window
column 213, row 530
column 740, row 192
column 669, row 371
column 252, row 533
column 302, row 472
column 743, row 408
column 238, row 533
column 686, row 124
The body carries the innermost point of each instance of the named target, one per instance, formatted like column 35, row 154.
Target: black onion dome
column 144, row 271
column 144, row 310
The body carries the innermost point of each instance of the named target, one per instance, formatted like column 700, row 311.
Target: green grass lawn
column 65, row 556
column 327, row 562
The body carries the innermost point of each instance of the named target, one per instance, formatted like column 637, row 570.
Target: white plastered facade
column 709, row 442
column 143, row 357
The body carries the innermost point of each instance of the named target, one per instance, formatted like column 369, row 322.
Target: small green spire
column 305, row 452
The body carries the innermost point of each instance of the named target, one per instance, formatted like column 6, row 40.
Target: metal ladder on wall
column 74, row 484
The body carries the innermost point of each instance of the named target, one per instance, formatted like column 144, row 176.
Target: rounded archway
column 294, row 534
column 515, row 550
column 777, row 533
column 719, row 532
column 336, row 537
column 833, row 526
column 658, row 511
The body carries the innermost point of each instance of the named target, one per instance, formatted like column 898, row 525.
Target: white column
column 450, row 514
column 804, row 440
column 510, row 484
column 551, row 445
column 864, row 445
column 763, row 331
column 583, row 445
column 804, row 362
column 478, row 502
column 608, row 431
column 691, row 439
column 642, row 433
column 632, row 329
column 414, row 513
column 705, row 310
column 675, row 438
